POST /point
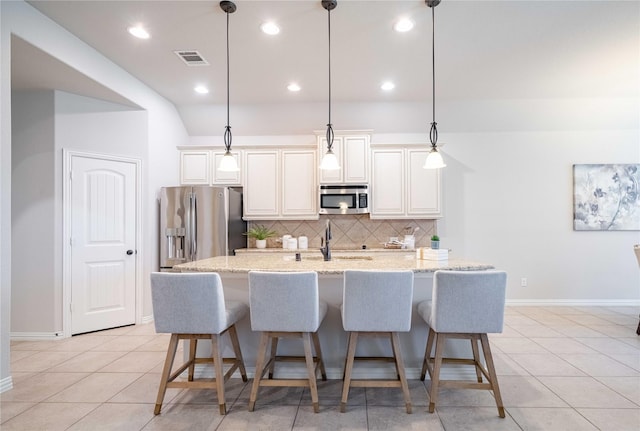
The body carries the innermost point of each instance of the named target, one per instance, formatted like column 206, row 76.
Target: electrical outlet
column 523, row 282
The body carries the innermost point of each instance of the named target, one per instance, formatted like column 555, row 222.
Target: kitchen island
column 234, row 269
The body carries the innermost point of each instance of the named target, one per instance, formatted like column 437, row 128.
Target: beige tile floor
column 560, row 368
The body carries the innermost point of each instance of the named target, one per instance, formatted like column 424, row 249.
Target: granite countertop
column 317, row 250
column 341, row 261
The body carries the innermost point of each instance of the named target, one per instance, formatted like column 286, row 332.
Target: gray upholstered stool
column 376, row 303
column 286, row 304
column 468, row 305
column 192, row 307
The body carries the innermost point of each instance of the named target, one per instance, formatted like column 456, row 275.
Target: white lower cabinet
column 280, row 184
column 401, row 188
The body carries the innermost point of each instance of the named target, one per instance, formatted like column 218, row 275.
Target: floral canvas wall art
column 605, row 197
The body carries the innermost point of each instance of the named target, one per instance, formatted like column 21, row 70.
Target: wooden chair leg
column 427, row 354
column 166, row 372
column 316, row 346
column 233, row 334
column 311, row 371
column 274, row 350
column 492, row 373
column 351, row 353
column 435, row 376
column 193, row 344
column 395, row 343
column 476, row 356
column 262, row 351
column 217, row 365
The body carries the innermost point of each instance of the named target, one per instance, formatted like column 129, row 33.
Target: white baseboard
column 6, row 384
column 575, row 302
column 34, row 336
column 146, row 319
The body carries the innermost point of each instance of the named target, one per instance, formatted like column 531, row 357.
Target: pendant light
column 434, row 159
column 329, row 160
column 228, row 163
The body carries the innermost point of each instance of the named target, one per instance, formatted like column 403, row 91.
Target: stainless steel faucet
column 324, row 242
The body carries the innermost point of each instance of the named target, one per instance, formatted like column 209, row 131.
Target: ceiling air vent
column 192, row 58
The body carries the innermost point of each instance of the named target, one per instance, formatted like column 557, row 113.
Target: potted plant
column 260, row 233
column 435, row 242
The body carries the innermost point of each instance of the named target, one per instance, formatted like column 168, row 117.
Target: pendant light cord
column 433, row 133
column 227, row 129
column 330, row 134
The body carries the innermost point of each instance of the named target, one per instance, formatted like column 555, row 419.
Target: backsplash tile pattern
column 348, row 231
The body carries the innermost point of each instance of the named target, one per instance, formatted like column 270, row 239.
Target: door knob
column 129, row 252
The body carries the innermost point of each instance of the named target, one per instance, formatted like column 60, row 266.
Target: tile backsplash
column 348, row 231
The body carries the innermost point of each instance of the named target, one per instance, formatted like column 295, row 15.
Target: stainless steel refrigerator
column 197, row 222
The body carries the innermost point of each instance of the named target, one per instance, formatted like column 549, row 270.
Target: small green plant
column 435, row 238
column 260, row 232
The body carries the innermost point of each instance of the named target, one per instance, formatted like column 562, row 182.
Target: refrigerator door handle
column 194, row 224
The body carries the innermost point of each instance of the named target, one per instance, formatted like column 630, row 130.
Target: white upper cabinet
column 401, row 187
column 194, row 167
column 200, row 167
column 352, row 152
column 280, row 184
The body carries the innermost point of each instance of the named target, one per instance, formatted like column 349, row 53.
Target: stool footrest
column 376, row 383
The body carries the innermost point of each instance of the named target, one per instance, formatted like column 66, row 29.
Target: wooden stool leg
column 311, row 371
column 427, row 354
column 262, row 351
column 233, row 334
column 395, row 343
column 492, row 373
column 476, row 356
column 435, row 376
column 351, row 353
column 193, row 344
column 316, row 345
column 166, row 371
column 217, row 365
column 274, row 350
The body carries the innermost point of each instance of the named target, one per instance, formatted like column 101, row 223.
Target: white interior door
column 103, row 243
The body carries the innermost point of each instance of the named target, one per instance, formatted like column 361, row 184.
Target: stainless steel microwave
column 344, row 199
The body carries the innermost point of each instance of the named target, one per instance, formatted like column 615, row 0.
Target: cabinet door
column 194, row 167
column 299, row 184
column 355, row 151
column 387, row 183
column 423, row 186
column 221, row 177
column 331, row 177
column 261, row 185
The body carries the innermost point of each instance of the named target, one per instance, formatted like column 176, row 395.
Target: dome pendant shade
column 228, row 163
column 329, row 162
column 434, row 160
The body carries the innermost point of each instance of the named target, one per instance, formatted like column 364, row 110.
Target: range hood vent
column 192, row 58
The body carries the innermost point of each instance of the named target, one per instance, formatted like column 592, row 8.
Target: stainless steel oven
column 344, row 199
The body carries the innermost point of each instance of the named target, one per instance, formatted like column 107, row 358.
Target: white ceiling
column 484, row 50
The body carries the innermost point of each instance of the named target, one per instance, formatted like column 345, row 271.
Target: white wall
column 33, row 215
column 165, row 131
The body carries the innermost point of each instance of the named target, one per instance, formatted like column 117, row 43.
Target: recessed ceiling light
column 139, row 32
column 388, row 86
column 403, row 25
column 201, row 89
column 293, row 87
column 270, row 28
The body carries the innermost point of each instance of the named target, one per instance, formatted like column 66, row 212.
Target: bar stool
column 467, row 305
column 286, row 305
column 376, row 303
column 192, row 307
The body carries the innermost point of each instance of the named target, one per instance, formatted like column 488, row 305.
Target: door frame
column 67, row 155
